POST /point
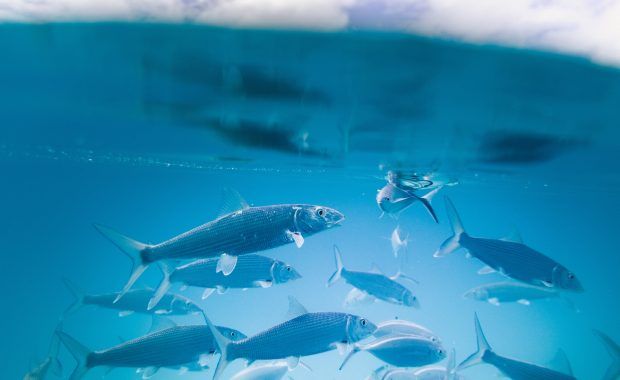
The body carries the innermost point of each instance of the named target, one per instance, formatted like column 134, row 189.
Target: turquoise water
column 141, row 126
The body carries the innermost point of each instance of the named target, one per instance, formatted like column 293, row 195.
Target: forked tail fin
column 339, row 267
column 483, row 347
column 79, row 352
column 453, row 242
column 163, row 287
column 426, row 201
column 132, row 248
column 78, row 296
column 614, row 351
column 223, row 345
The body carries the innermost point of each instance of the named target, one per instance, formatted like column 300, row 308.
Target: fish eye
column 288, row 269
column 571, row 276
column 363, row 322
column 233, row 334
column 320, row 212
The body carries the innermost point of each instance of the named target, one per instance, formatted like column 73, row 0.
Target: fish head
column 359, row 328
column 565, row 279
column 283, row 272
column 231, row 334
column 310, row 219
column 391, row 199
column 479, row 294
column 437, row 352
column 410, row 300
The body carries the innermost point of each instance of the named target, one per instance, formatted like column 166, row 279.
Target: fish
column 376, row 284
column 135, row 301
column 514, row 369
column 401, row 351
column 504, row 292
column 511, row 258
column 398, row 243
column 251, row 271
column 392, row 200
column 432, row 372
column 268, row 371
column 239, row 230
column 303, row 334
column 183, row 347
column 408, row 180
column 613, row 371
column 50, row 363
column 399, row 327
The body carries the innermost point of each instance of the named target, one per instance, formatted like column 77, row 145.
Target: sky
column 586, row 28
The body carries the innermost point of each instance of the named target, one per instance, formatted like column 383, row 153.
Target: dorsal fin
column 514, row 236
column 560, row 363
column 159, row 323
column 295, row 309
column 231, row 201
column 374, row 268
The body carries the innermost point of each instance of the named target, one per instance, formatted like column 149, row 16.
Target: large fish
column 402, row 351
column 511, row 258
column 613, row 372
column 302, row 335
column 50, row 362
column 134, row 301
column 183, row 347
column 504, row 292
column 514, row 369
column 392, row 200
column 374, row 284
column 239, row 230
column 251, row 271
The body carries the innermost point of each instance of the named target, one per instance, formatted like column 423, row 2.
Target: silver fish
column 251, row 271
column 50, row 362
column 172, row 347
column 239, row 232
column 402, row 351
column 392, row 200
column 268, row 371
column 513, row 259
column 398, row 243
column 504, row 292
column 134, row 301
column 375, row 284
column 434, row 372
column 303, row 335
column 514, row 369
column 613, row 372
column 401, row 327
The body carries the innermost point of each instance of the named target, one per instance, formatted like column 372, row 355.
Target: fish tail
column 133, row 249
column 354, row 351
column 483, row 347
column 79, row 352
column 78, row 296
column 614, row 351
column 223, row 345
column 163, row 287
column 339, row 267
column 426, row 201
column 453, row 242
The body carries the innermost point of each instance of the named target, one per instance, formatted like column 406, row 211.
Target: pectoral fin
column 263, row 284
column 342, row 348
column 207, row 292
column 147, row 372
column 486, row 270
column 221, row 289
column 226, row 264
column 292, row 362
column 203, row 360
column 494, row 301
column 296, row 237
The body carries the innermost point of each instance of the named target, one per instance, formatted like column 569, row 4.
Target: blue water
column 141, row 126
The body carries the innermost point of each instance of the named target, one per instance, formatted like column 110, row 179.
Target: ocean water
column 141, row 126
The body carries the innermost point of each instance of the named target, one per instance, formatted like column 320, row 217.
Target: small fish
column 173, row 347
column 392, row 200
column 375, row 284
column 398, row 243
column 613, row 372
column 514, row 369
column 135, row 301
column 239, row 230
column 399, row 327
column 426, row 373
column 504, row 292
column 268, row 371
column 50, row 362
column 251, row 271
column 402, row 351
column 304, row 334
column 512, row 259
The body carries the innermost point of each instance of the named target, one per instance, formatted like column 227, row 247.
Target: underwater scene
column 195, row 202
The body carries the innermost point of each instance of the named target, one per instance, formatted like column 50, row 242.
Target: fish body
column 402, row 351
column 392, row 200
column 513, row 259
column 504, row 292
column 514, row 369
column 375, row 284
column 399, row 327
column 172, row 347
column 251, row 271
column 246, row 230
column 269, row 371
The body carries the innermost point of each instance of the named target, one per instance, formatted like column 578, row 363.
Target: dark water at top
column 140, row 127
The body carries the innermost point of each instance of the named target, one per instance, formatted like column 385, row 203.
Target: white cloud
column 589, row 28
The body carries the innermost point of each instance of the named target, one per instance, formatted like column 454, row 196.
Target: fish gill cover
column 457, row 178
